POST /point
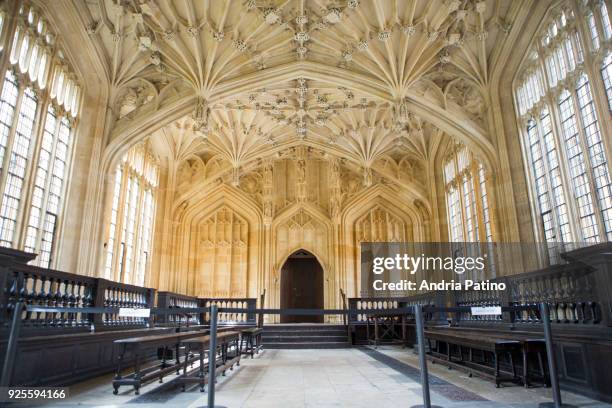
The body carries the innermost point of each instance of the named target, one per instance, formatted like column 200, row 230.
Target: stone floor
column 357, row 377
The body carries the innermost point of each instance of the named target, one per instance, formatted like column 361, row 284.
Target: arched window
column 560, row 113
column 467, row 201
column 35, row 137
column 130, row 228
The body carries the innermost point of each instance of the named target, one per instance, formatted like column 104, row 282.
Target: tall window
column 467, row 202
column 562, row 109
column 16, row 167
column 38, row 109
column 132, row 211
column 48, row 185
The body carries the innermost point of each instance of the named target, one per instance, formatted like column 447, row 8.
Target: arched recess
column 301, row 226
column 223, row 227
column 393, row 220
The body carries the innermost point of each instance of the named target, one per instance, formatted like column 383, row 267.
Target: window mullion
column 119, row 229
column 566, row 178
column 491, row 201
column 462, row 209
column 482, row 233
column 139, row 214
column 549, row 189
column 47, row 190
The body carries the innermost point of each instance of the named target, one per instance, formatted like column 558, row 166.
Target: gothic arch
column 301, row 226
column 188, row 219
column 377, row 197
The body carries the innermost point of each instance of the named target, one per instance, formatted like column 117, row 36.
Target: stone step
column 304, row 327
column 290, row 338
column 307, row 345
column 304, row 333
column 300, row 336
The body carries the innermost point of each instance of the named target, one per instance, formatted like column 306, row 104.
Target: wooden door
column 302, row 287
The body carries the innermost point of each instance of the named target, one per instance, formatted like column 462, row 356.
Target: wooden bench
column 228, row 349
column 474, row 342
column 531, row 344
column 250, row 340
column 137, row 345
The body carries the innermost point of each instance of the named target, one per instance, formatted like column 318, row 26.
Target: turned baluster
column 107, row 303
column 88, row 302
column 11, row 293
column 41, row 317
column 78, row 299
column 65, row 303
column 29, row 294
column 57, row 302
column 595, row 312
column 72, row 303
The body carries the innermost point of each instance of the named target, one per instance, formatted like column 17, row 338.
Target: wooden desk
column 474, row 341
column 136, row 345
column 200, row 345
column 251, row 340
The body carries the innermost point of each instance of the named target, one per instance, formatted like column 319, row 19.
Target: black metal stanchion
column 11, row 346
column 552, row 364
column 420, row 332
column 212, row 356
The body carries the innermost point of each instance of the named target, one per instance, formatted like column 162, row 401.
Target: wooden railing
column 178, row 301
column 356, row 305
column 47, row 287
column 236, row 318
column 114, row 294
column 579, row 293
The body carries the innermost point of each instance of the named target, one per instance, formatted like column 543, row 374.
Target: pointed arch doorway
column 301, row 286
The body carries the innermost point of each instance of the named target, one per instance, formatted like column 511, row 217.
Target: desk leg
column 544, row 372
column 201, row 369
column 404, row 339
column 187, row 351
column 137, row 371
column 118, row 373
column 223, row 357
column 178, row 359
column 525, row 370
column 375, row 332
column 471, row 360
column 496, row 357
column 238, row 350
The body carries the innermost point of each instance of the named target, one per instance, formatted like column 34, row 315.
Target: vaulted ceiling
column 375, row 82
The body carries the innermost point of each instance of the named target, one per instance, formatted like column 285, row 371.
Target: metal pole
column 418, row 312
column 212, row 356
column 552, row 364
column 11, row 346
